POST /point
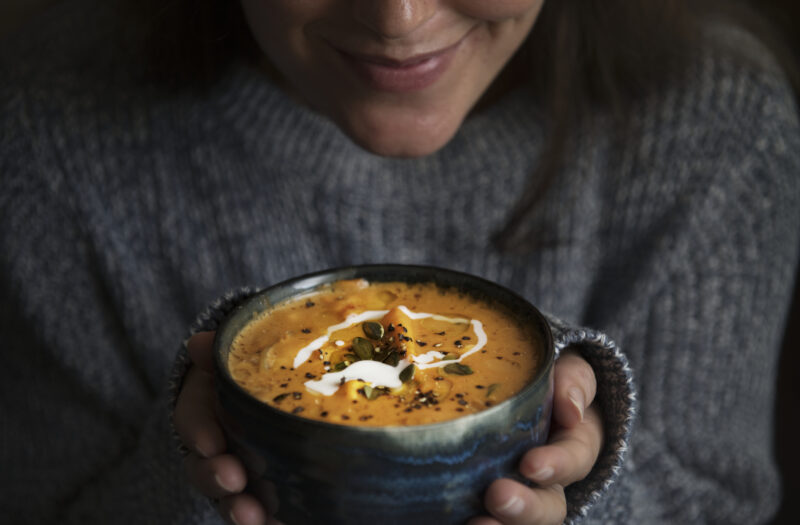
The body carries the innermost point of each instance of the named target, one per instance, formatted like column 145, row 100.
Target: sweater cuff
column 208, row 320
column 616, row 398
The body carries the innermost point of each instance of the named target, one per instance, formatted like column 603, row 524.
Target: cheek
column 496, row 10
column 274, row 20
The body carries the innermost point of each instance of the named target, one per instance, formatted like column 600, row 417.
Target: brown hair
column 582, row 55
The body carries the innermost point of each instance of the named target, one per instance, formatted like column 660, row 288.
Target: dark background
column 785, row 16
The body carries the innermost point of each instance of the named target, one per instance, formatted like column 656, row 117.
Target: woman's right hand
column 214, row 472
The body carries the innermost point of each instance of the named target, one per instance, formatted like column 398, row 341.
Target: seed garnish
column 408, row 373
column 458, row 369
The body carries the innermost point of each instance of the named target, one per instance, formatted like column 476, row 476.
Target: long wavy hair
column 581, row 56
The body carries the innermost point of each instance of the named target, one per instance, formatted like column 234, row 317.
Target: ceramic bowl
column 428, row 474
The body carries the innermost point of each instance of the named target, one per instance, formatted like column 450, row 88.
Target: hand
column 573, row 447
column 210, row 469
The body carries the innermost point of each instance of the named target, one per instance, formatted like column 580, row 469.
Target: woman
column 647, row 191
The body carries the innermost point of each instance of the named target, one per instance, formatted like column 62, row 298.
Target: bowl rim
column 316, row 279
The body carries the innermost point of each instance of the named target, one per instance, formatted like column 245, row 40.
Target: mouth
column 390, row 74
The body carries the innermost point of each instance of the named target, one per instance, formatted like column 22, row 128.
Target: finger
column 216, row 477
column 574, row 388
column 195, row 419
column 569, row 455
column 199, row 347
column 515, row 504
column 245, row 509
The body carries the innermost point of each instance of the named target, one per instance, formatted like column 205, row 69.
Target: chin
column 404, row 134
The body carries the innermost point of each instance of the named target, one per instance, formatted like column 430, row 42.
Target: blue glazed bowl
column 427, row 474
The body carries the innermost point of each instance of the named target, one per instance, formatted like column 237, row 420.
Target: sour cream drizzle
column 376, row 373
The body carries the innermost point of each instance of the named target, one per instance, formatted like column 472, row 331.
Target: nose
column 394, row 18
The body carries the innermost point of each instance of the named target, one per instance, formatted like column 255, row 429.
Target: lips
column 411, row 74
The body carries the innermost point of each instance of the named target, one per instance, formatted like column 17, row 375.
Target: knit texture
column 124, row 210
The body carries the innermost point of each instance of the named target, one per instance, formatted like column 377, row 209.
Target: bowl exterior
column 329, row 473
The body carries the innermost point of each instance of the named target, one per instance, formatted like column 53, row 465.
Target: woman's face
column 398, row 76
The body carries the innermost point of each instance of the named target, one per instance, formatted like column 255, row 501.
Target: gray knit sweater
column 124, row 211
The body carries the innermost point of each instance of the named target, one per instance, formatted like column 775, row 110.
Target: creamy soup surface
column 384, row 354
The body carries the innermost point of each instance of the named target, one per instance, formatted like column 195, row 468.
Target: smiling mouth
column 411, row 74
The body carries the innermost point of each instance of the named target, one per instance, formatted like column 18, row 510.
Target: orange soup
column 383, row 354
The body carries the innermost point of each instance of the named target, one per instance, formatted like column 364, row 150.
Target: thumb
column 199, row 347
column 574, row 388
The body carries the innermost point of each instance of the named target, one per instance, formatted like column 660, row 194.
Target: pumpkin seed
column 458, row 369
column 392, row 359
column 363, row 348
column 338, row 367
column 350, row 357
column 408, row 373
column 373, row 330
column 492, row 388
column 450, row 356
column 371, row 393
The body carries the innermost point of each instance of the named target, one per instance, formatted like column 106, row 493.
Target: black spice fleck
column 280, row 397
column 306, row 330
column 500, row 357
column 459, row 395
column 438, row 378
column 479, row 386
column 459, row 409
column 441, row 333
column 365, row 418
column 421, row 343
column 466, row 338
column 345, row 417
column 390, row 328
column 309, row 375
column 297, row 395
column 462, row 402
column 324, row 413
column 284, row 385
column 409, row 409
column 458, row 343
column 309, row 304
column 516, row 353
column 297, row 410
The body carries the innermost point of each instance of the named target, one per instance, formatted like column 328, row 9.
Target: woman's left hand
column 573, row 447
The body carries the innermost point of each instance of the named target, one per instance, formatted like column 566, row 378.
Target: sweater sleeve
column 696, row 288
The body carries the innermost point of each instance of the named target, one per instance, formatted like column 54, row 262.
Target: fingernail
column 542, row 475
column 513, row 507
column 575, row 395
column 233, row 518
column 202, row 450
column 222, row 483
